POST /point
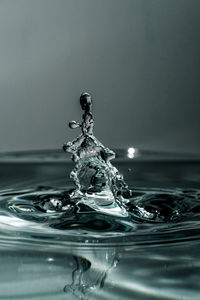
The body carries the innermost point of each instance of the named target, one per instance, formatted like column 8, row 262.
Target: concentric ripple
column 154, row 216
column 54, row 248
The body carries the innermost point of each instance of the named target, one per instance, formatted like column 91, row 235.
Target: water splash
column 157, row 229
column 98, row 183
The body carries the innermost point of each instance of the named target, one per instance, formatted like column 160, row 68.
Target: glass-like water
column 54, row 248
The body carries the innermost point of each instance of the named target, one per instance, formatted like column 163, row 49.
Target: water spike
column 95, row 178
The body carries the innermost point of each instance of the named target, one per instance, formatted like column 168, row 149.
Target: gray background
column 140, row 60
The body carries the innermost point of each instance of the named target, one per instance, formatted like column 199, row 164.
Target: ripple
column 155, row 216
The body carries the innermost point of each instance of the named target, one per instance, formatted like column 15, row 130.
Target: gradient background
column 140, row 60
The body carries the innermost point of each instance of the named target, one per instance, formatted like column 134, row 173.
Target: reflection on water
column 89, row 275
column 47, row 252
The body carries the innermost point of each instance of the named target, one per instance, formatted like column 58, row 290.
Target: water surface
column 153, row 253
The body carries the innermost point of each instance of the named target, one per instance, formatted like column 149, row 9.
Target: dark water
column 79, row 252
